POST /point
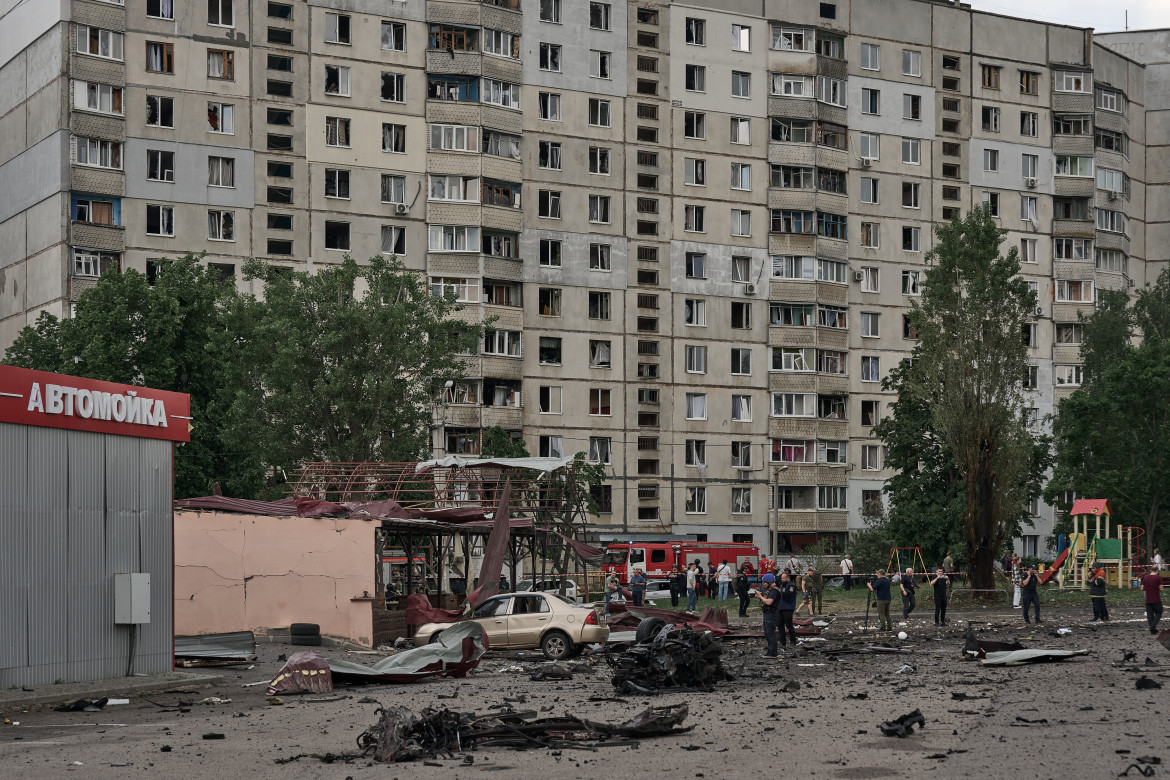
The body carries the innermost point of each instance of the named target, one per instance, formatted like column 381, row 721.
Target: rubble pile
column 676, row 657
column 405, row 735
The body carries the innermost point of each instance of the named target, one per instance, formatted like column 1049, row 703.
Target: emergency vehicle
column 658, row 559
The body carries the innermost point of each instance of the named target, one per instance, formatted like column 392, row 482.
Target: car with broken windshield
column 526, row 621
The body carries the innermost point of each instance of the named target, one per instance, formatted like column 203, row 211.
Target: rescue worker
column 817, row 582
column 787, row 607
column 770, row 604
column 742, row 587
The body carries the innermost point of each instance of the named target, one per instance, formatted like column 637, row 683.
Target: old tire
column 304, row 629
column 649, row 628
column 556, row 645
column 313, row 641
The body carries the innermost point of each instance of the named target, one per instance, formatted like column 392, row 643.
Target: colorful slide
column 1047, row 576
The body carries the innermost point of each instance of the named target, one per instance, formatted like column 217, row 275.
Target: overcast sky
column 1103, row 17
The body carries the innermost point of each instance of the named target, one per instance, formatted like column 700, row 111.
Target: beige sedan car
column 524, row 621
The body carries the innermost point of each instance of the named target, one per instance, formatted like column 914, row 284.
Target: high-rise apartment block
column 694, row 227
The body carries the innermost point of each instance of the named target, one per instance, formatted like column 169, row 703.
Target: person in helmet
column 769, row 598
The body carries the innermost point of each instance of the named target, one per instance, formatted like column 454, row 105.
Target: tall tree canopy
column 169, row 336
column 958, row 434
column 1113, row 434
column 344, row 364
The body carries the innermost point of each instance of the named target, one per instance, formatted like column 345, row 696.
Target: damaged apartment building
column 696, row 226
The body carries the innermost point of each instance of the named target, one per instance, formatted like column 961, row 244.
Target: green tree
column 1113, row 434
column 964, row 396
column 345, row 364
column 169, row 336
column 498, row 443
column 927, row 490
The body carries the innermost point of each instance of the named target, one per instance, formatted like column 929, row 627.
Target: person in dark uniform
column 742, row 586
column 678, row 582
column 787, row 607
column 1097, row 592
column 770, row 603
column 940, row 583
column 1028, row 586
column 881, row 590
column 909, row 586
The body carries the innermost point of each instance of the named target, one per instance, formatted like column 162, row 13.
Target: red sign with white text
column 60, row 401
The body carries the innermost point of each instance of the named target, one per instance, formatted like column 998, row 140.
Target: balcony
column 1079, row 228
column 507, row 417
column 792, row 336
column 1074, row 186
column 455, row 63
column 1072, row 102
column 111, row 238
column 808, row 520
column 461, row 416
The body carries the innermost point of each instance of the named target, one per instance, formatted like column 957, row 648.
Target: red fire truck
column 658, row 559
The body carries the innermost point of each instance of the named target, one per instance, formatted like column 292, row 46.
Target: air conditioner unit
column 749, row 289
column 745, row 474
column 866, row 162
column 1112, row 195
column 401, row 208
column 1038, row 311
column 858, row 276
column 1030, row 183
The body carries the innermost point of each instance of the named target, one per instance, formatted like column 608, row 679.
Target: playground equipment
column 903, row 558
column 1120, row 555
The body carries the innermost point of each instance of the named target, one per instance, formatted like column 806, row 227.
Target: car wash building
column 86, row 527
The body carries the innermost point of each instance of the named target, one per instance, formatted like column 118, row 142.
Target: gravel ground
column 1083, row 717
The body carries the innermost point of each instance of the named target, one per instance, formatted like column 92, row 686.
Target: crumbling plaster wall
column 238, row 572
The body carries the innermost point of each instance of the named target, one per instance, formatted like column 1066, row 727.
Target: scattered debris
column 236, row 647
column 1063, row 631
column 1145, row 683
column 457, row 652
column 1015, row 657
column 906, row 669
column 112, row 702
column 859, row 696
column 552, row 671
column 675, row 658
column 629, row 617
column 83, row 705
column 403, row 735
column 872, row 650
column 215, row 700
column 275, row 701
column 1145, row 766
column 792, row 686
column 903, row 725
column 214, row 735
column 306, row 670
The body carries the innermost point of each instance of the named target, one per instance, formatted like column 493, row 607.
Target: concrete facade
column 643, row 195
